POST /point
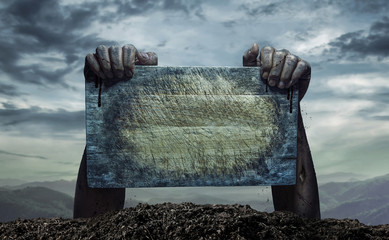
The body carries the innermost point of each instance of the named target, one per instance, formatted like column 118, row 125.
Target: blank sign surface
column 190, row 126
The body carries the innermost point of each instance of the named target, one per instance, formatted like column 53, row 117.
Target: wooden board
column 190, row 126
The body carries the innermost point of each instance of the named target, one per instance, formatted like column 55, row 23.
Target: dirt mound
column 190, row 221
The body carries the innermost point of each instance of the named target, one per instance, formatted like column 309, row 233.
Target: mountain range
column 365, row 199
column 34, row 202
column 63, row 186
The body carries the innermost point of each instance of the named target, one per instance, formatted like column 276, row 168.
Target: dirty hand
column 116, row 62
column 279, row 67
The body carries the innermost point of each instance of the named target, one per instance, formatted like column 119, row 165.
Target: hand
column 279, row 67
column 116, row 62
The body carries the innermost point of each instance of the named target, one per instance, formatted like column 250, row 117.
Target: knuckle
column 291, row 58
column 278, row 59
column 286, row 51
column 102, row 54
column 300, row 66
column 304, row 65
column 111, row 51
column 92, row 62
column 267, row 49
column 114, row 49
column 101, row 46
column 279, row 55
column 308, row 66
column 266, row 57
column 90, row 58
column 129, row 46
column 282, row 52
column 290, row 61
column 128, row 53
column 100, row 50
column 115, row 56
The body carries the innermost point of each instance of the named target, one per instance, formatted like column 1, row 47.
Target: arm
column 280, row 68
column 106, row 64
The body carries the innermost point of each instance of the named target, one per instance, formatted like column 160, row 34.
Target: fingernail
column 265, row 75
column 272, row 82
column 281, row 85
column 129, row 73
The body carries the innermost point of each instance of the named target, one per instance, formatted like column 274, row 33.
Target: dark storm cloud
column 21, row 155
column 229, row 24
column 187, row 6
column 348, row 6
column 35, row 121
column 362, row 6
column 361, row 44
column 33, row 27
column 257, row 9
column 9, row 90
column 380, row 27
column 125, row 8
column 9, row 105
column 176, row 5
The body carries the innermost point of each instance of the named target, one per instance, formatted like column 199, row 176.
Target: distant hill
column 34, row 202
column 11, row 182
column 367, row 201
column 340, row 177
column 64, row 186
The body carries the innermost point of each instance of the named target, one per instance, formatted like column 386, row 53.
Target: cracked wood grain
column 190, row 126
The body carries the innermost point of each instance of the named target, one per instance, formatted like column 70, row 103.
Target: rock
column 190, row 221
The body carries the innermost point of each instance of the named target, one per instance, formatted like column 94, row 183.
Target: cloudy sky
column 43, row 45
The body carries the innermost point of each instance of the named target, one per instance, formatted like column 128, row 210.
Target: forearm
column 306, row 183
column 303, row 197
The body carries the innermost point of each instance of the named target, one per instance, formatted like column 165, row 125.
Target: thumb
column 250, row 56
column 146, row 58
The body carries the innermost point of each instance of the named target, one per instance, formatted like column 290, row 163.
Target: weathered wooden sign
column 190, row 126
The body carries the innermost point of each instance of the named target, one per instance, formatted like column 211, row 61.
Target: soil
column 191, row 221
